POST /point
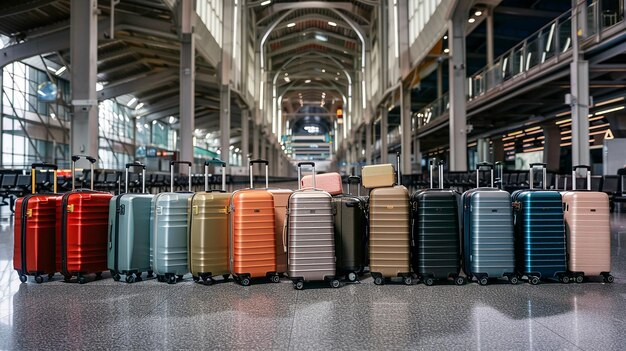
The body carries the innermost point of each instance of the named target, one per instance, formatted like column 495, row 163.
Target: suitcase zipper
column 26, row 213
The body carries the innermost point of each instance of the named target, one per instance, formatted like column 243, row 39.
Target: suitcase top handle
column 532, row 175
column 172, row 163
column 300, row 164
column 574, row 169
column 91, row 160
column 357, row 180
column 143, row 175
column 214, row 161
column 267, row 166
column 483, row 165
column 43, row 165
column 439, row 172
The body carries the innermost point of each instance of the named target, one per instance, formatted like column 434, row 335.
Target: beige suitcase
column 378, row 176
column 389, row 241
column 588, row 231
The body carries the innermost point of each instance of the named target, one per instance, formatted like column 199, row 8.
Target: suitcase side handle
column 215, row 161
column 483, row 165
column 357, row 180
column 267, row 166
column 143, row 175
column 92, row 161
column 308, row 163
column 43, row 165
column 172, row 163
column 574, row 169
column 532, row 174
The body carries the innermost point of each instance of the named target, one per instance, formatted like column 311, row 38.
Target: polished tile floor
column 150, row 315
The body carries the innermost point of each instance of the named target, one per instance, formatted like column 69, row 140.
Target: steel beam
column 579, row 78
column 137, row 85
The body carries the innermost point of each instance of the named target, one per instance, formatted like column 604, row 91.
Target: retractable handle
column 431, row 168
column 574, row 169
column 135, row 164
column 75, row 159
column 440, row 168
column 172, row 163
column 267, row 166
column 300, row 164
column 483, row 165
column 214, row 161
column 356, row 179
column 43, row 165
column 398, row 168
column 543, row 167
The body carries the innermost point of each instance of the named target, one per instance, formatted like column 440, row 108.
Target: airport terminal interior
column 298, row 174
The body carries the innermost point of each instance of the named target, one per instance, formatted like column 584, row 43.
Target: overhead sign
column 339, row 113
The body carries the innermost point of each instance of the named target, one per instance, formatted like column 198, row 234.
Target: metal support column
column 187, row 82
column 579, row 78
column 225, row 76
column 384, row 130
column 482, row 150
column 405, row 128
column 225, row 124
column 256, row 138
column 263, row 147
column 457, row 76
column 497, row 148
column 439, row 79
column 84, row 56
column 245, row 136
column 417, row 152
column 489, row 23
column 368, row 143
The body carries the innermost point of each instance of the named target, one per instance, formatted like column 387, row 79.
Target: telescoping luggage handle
column 588, row 176
column 43, row 165
column 300, row 164
column 172, row 163
column 215, row 161
column 267, row 166
column 398, row 168
column 439, row 173
column 143, row 175
column 478, row 167
column 91, row 160
column 357, row 180
column 532, row 174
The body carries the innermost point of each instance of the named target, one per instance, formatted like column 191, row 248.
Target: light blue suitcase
column 168, row 231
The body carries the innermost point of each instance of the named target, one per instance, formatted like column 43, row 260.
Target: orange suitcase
column 588, row 231
column 253, row 237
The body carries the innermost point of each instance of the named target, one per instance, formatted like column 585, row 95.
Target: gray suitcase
column 128, row 250
column 168, row 231
column 489, row 245
column 311, row 238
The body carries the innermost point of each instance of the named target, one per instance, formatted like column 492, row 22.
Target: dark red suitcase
column 34, row 231
column 82, row 230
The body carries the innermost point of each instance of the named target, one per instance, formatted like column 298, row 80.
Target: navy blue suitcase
column 539, row 232
column 488, row 239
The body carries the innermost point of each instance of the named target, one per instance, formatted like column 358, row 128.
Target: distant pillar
column 579, row 79
column 552, row 146
column 482, row 148
column 405, row 125
column 384, row 131
column 368, row 143
column 497, row 147
column 245, row 136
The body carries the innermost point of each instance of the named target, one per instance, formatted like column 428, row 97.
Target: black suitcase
column 350, row 232
column 436, row 233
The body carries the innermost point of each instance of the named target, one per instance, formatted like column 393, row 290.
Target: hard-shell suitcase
column 378, row 176
column 310, row 236
column 488, row 239
column 350, row 232
column 329, row 182
column 168, row 231
column 540, row 249
column 129, row 232
column 436, row 232
column 281, row 199
column 588, row 231
column 253, row 235
column 209, row 229
column 34, row 231
column 389, row 242
column 81, row 230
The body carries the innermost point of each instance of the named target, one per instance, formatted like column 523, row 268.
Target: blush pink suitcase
column 329, row 182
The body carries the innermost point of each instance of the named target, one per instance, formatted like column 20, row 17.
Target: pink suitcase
column 329, row 182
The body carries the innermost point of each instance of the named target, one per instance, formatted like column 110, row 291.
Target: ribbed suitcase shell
column 209, row 227
column 350, row 233
column 587, row 226
column 329, row 182
column 436, row 233
column 253, row 234
column 168, row 233
column 281, row 200
column 34, row 235
column 539, row 233
column 389, row 231
column 488, row 233
column 82, row 232
column 378, row 176
column 311, row 242
column 129, row 234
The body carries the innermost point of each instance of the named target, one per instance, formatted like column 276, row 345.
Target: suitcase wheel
column 459, row 280
column 23, row 278
column 579, row 278
column 513, row 280
column 116, row 277
column 483, row 280
column 171, row 279
column 352, row 277
column 407, row 280
column 608, row 278
column 275, row 278
column 130, row 278
column 334, row 283
column 379, row 281
column 534, row 280
column 245, row 281
column 564, row 279
column 38, row 279
column 299, row 285
column 82, row 279
column 429, row 281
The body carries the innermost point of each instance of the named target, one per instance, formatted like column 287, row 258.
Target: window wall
column 210, row 12
column 116, row 131
column 420, row 12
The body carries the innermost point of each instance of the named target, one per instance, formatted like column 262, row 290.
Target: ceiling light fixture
column 471, row 20
column 266, row 2
column 307, row 81
column 172, row 119
column 292, row 24
column 323, row 70
column 131, row 102
column 445, row 37
column 139, row 105
column 99, row 86
column 60, row 70
column 446, row 50
column 331, row 23
column 320, row 37
column 478, row 13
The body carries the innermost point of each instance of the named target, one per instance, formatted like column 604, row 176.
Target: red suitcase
column 82, row 230
column 34, row 231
